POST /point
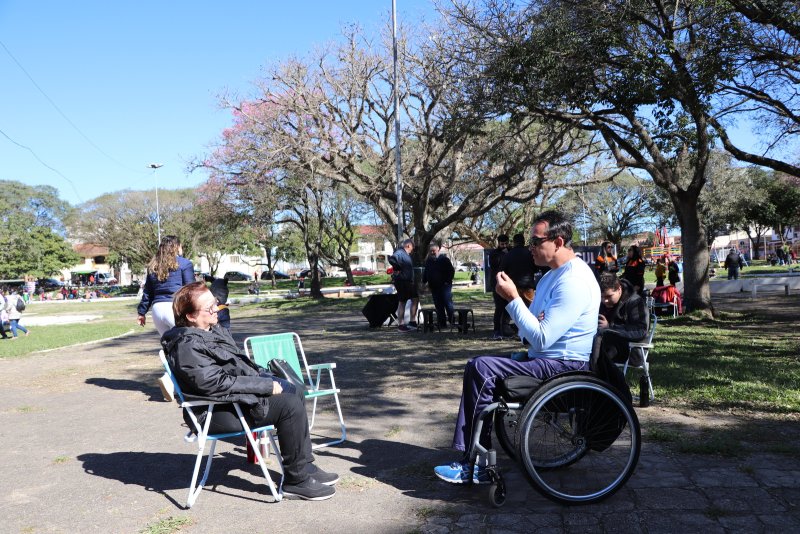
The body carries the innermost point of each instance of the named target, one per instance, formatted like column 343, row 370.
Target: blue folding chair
column 287, row 346
column 200, row 434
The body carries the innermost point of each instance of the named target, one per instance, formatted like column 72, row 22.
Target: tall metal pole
column 397, row 166
column 155, row 166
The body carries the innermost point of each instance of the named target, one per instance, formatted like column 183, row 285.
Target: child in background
column 661, row 271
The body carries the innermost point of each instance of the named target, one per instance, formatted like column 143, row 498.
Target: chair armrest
column 641, row 345
column 203, row 403
column 317, row 366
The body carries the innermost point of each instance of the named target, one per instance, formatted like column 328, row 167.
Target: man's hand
column 505, row 287
column 276, row 388
column 602, row 322
column 141, row 320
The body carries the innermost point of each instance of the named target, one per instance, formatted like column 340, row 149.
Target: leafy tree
column 342, row 209
column 31, row 231
column 615, row 209
column 126, row 222
column 764, row 82
column 641, row 76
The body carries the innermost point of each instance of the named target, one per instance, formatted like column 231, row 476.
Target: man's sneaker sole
column 311, row 490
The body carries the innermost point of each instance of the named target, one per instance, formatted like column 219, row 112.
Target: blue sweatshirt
column 569, row 297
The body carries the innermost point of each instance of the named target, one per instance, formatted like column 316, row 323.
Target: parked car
column 104, row 279
column 267, row 275
column 237, row 276
column 305, row 273
column 467, row 267
column 49, row 284
column 362, row 271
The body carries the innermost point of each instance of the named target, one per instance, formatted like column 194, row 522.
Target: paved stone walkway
column 90, row 447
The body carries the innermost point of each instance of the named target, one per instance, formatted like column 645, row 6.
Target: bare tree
column 332, row 115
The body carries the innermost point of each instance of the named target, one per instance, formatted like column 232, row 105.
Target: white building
column 766, row 245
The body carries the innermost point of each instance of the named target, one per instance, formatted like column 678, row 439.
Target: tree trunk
column 696, row 291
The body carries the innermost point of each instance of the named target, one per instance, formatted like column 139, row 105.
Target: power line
column 55, row 106
column 45, row 164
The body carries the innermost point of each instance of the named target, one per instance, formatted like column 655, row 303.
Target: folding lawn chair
column 200, row 434
column 287, row 346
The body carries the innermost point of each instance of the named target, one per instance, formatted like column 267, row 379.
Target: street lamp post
column 397, row 167
column 155, row 166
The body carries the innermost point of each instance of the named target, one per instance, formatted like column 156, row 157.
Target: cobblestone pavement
column 91, row 447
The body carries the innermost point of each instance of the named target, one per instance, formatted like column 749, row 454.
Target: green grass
column 167, row 525
column 723, row 365
column 55, row 336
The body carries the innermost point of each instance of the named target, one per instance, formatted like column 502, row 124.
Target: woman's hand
column 602, row 322
column 141, row 320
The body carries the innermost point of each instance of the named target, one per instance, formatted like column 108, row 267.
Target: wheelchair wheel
column 497, row 493
column 505, row 428
column 578, row 440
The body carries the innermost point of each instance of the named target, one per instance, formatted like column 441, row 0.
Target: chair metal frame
column 201, row 436
column 643, row 347
column 653, row 305
column 312, row 375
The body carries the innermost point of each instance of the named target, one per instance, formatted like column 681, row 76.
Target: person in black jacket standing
column 439, row 273
column 519, row 266
column 733, row 262
column 208, row 364
column 496, row 256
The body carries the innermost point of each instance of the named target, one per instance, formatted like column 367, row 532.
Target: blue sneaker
column 458, row 473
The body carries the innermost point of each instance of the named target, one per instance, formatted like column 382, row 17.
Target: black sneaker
column 413, row 324
column 323, row 477
column 310, row 490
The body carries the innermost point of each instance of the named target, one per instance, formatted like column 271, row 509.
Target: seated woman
column 207, row 363
column 623, row 318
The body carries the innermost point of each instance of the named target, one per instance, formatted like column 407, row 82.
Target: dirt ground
column 91, row 446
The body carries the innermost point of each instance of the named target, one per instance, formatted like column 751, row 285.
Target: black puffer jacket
column 629, row 319
column 208, row 365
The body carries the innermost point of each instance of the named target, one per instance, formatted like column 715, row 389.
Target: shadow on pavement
column 161, row 472
column 409, row 468
column 118, row 384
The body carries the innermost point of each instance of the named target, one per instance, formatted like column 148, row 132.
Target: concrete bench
column 755, row 285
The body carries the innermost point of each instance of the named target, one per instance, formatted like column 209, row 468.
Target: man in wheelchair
column 560, row 326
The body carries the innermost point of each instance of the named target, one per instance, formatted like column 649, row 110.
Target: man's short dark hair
column 407, row 242
column 519, row 240
column 502, row 238
column 557, row 225
column 609, row 281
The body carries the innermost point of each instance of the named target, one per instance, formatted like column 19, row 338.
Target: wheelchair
column 575, row 436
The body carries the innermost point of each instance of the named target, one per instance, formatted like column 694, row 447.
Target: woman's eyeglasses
column 211, row 310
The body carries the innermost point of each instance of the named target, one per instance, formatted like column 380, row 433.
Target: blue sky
column 94, row 91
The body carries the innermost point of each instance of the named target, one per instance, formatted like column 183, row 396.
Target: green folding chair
column 287, row 346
